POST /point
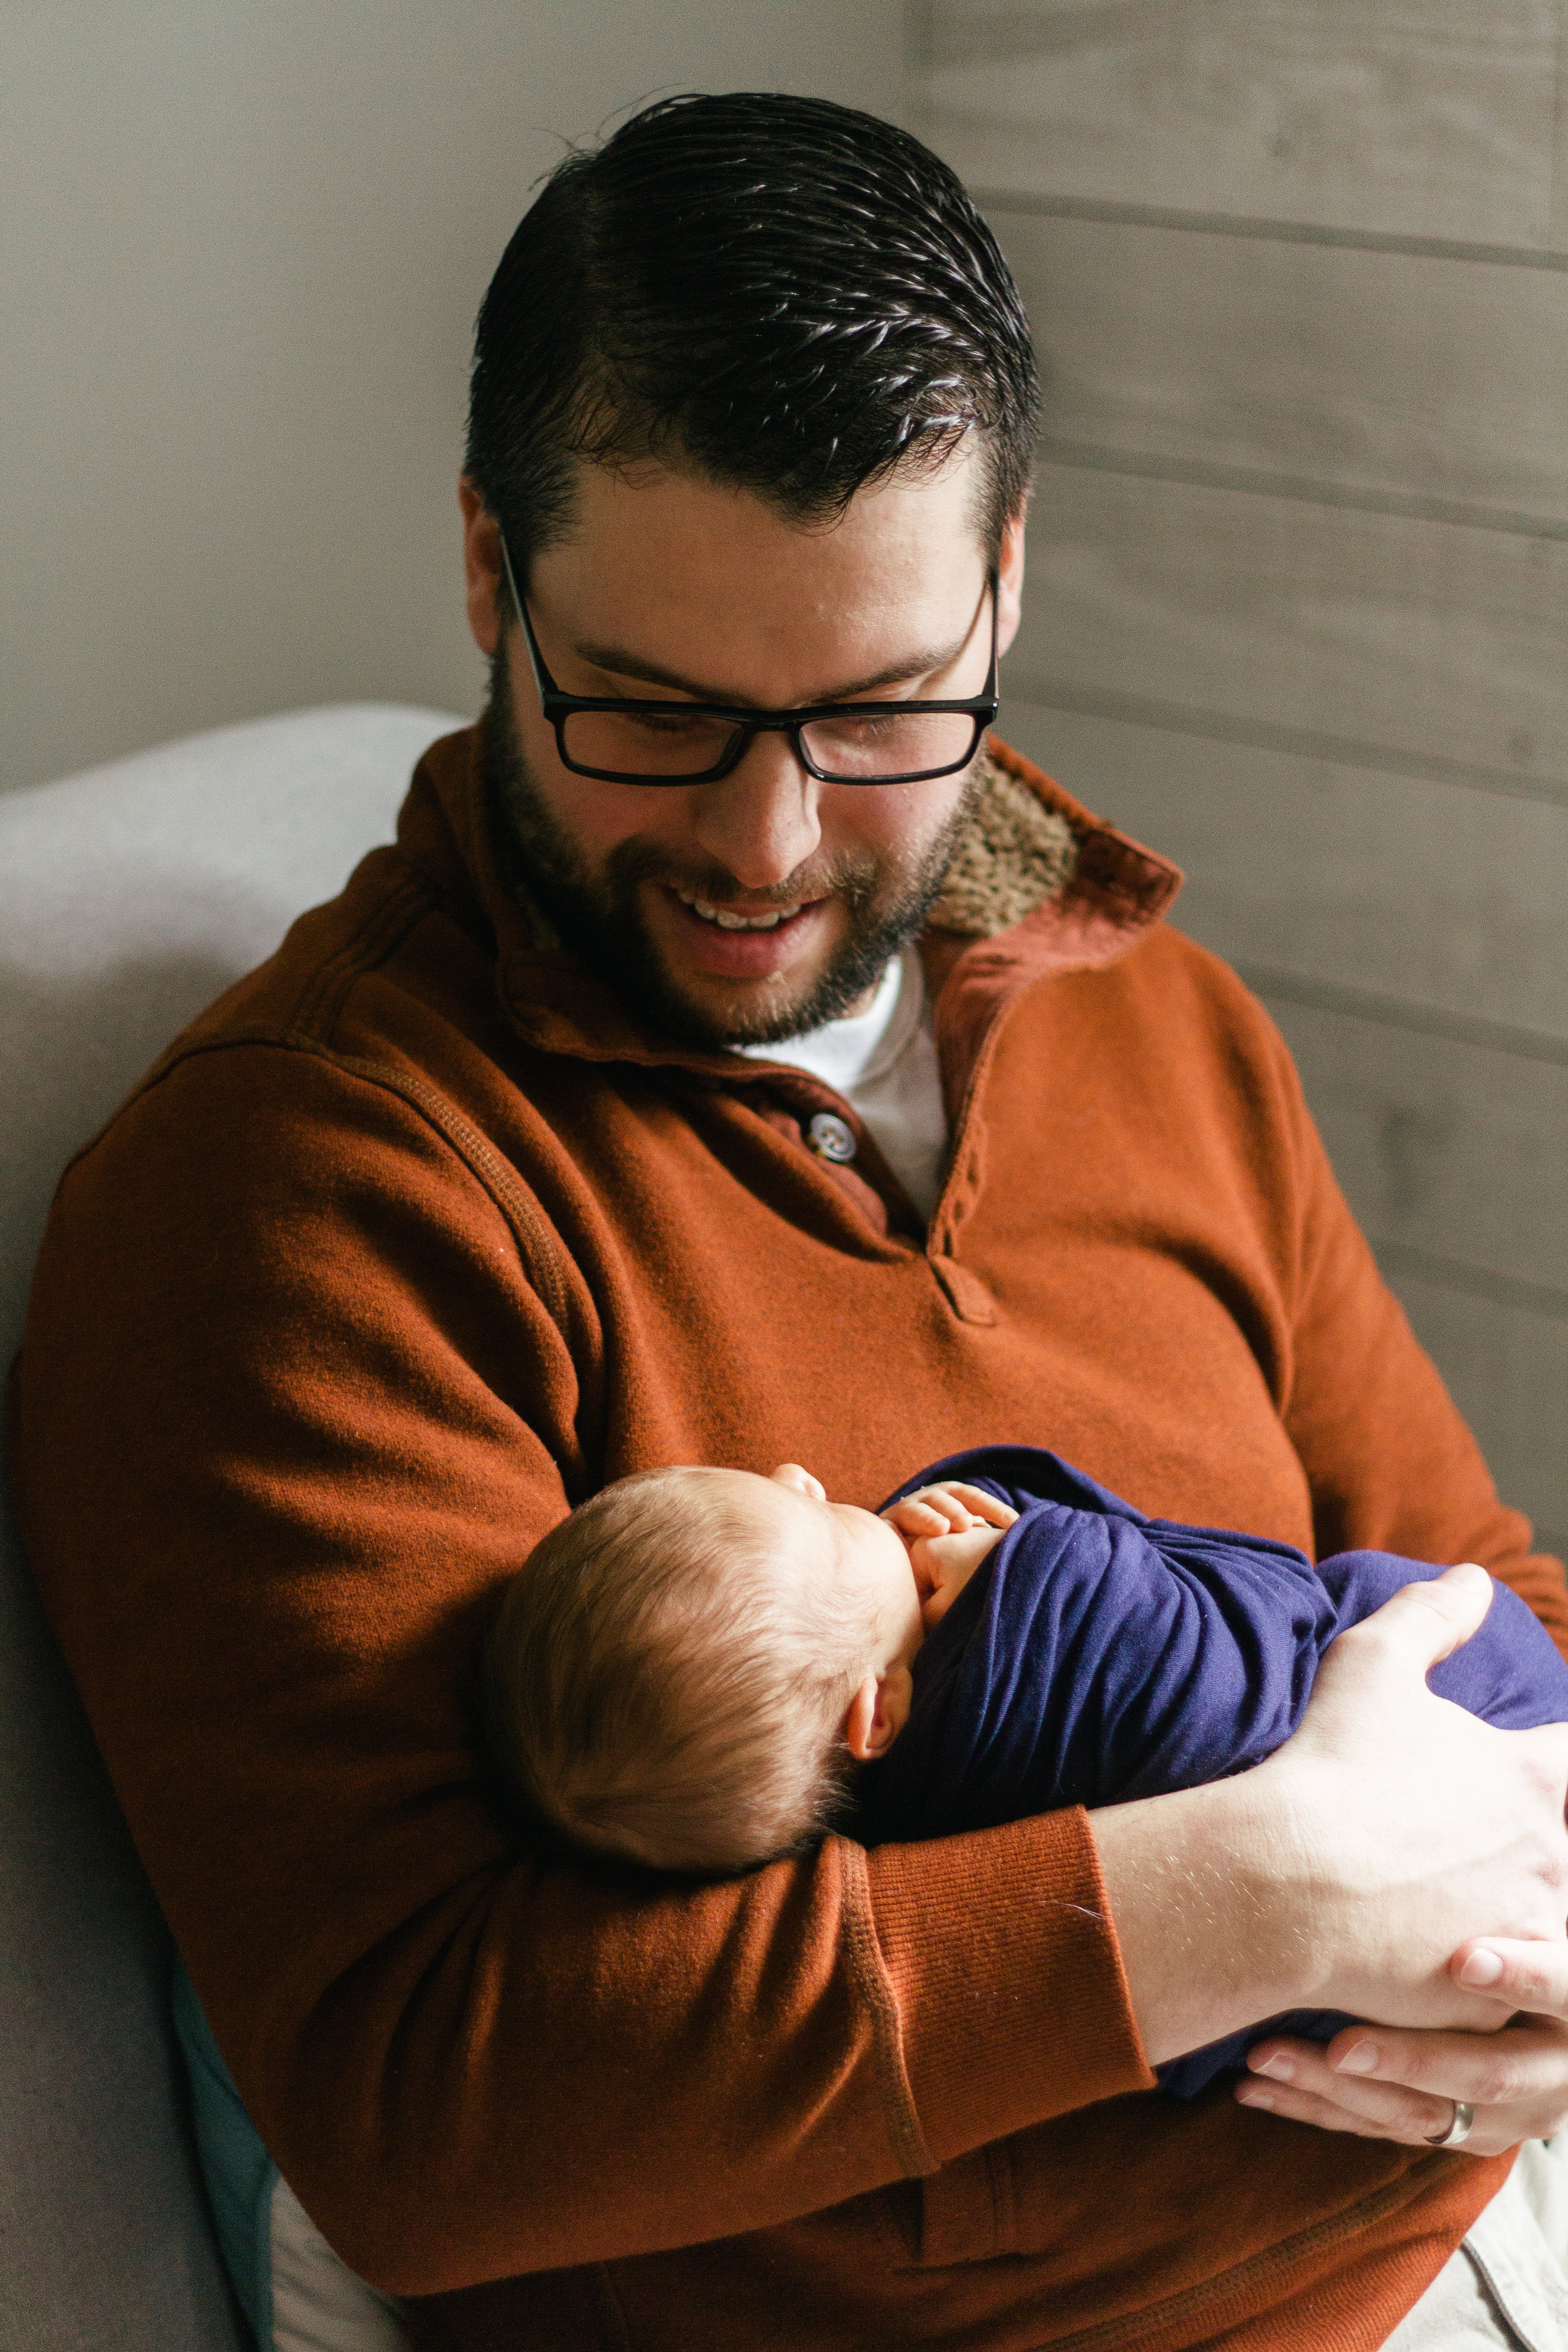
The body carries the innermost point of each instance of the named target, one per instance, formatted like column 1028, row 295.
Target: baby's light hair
column 658, row 1690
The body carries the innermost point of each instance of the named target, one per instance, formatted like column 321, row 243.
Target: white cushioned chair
column 129, row 898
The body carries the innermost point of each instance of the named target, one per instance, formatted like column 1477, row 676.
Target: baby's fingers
column 989, row 1507
column 949, row 1512
column 974, row 1502
column 915, row 1516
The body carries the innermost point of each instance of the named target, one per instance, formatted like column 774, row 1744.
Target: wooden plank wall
column 1299, row 585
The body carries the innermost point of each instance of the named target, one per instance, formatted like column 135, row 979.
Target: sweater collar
column 1038, row 886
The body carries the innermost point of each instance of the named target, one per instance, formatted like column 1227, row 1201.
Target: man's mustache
column 635, row 861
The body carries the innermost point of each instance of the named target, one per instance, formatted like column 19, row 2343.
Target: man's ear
column 481, row 567
column 878, row 1713
column 1010, row 577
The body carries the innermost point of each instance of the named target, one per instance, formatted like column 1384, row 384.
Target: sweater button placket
column 831, row 1138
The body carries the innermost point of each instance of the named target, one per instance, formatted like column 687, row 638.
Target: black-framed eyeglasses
column 623, row 741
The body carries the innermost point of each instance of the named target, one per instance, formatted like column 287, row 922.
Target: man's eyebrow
column 619, row 661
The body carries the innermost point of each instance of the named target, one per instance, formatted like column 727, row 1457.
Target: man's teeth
column 728, row 920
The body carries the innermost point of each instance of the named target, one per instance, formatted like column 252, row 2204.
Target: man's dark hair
column 783, row 294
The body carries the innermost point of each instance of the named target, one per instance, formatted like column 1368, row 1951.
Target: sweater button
column 831, row 1138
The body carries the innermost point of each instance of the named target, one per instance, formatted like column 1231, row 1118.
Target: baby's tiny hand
column 949, row 1529
column 950, row 1508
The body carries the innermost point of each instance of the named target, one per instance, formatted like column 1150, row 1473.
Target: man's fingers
column 1429, row 1621
column 1519, row 2062
column 1488, row 2070
column 1516, row 2081
column 1411, row 2124
column 1308, row 2092
column 1528, row 1976
column 1295, row 2078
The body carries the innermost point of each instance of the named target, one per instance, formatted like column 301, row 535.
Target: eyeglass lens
column 847, row 750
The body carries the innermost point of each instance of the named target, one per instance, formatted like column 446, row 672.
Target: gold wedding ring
column 1458, row 2131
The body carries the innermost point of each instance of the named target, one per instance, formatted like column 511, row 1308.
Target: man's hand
column 1381, row 2083
column 1422, row 1824
column 949, row 1529
column 1346, row 1869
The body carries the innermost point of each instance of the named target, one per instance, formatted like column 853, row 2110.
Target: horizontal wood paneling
column 1452, row 1150
column 1431, row 117
column 1369, row 373
column 1507, row 1369
column 1424, row 637
column 1406, row 886
column 1298, row 602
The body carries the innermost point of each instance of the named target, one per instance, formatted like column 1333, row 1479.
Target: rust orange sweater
column 414, row 1239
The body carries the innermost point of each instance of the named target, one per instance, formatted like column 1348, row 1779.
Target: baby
column 703, row 1668
column 689, row 1668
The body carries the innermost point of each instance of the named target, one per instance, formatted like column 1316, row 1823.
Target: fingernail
column 1251, row 2098
column 1283, row 2069
column 1482, row 1968
column 1360, row 2059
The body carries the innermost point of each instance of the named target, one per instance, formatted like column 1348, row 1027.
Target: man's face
column 672, row 586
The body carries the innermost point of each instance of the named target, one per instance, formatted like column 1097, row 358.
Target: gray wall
column 1298, row 595
column 242, row 243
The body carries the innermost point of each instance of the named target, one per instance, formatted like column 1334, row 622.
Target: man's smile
column 740, row 941
column 732, row 918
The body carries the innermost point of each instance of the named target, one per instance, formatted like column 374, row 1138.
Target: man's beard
column 599, row 917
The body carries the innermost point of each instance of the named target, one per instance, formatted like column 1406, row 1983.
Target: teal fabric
column 239, row 2174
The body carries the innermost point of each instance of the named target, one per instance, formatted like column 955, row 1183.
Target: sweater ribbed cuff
column 1009, row 1984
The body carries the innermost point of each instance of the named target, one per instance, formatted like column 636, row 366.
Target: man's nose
column 761, row 821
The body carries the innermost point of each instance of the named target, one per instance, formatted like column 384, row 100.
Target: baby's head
column 686, row 1669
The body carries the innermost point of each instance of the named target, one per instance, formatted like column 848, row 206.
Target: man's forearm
column 1198, row 1894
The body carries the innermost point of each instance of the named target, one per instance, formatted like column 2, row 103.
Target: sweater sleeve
column 1391, row 1463
column 299, row 1390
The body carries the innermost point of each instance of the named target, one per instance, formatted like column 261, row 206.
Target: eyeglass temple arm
column 544, row 684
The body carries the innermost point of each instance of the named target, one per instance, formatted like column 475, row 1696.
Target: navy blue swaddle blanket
column 1099, row 1656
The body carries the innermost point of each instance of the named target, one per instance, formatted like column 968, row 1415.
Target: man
column 612, row 1119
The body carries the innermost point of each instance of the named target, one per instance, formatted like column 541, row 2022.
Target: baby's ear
column 789, row 1473
column 869, row 1728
